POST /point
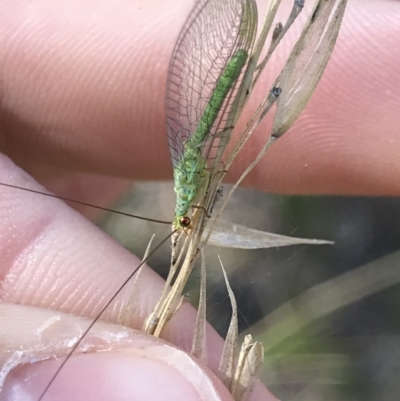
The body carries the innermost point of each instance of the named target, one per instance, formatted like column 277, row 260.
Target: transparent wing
column 214, row 31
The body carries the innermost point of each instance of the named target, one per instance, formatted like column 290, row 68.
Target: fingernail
column 159, row 373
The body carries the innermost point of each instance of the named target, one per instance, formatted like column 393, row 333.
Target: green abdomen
column 190, row 173
column 222, row 88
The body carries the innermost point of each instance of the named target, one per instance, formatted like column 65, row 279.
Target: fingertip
column 346, row 141
column 111, row 361
column 131, row 374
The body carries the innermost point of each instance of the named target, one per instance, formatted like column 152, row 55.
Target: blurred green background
column 328, row 315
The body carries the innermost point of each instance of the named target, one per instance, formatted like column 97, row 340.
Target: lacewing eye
column 185, row 222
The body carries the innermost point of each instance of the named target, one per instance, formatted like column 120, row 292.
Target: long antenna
column 76, row 345
column 85, row 204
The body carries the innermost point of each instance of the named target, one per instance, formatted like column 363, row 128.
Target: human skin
column 83, row 95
